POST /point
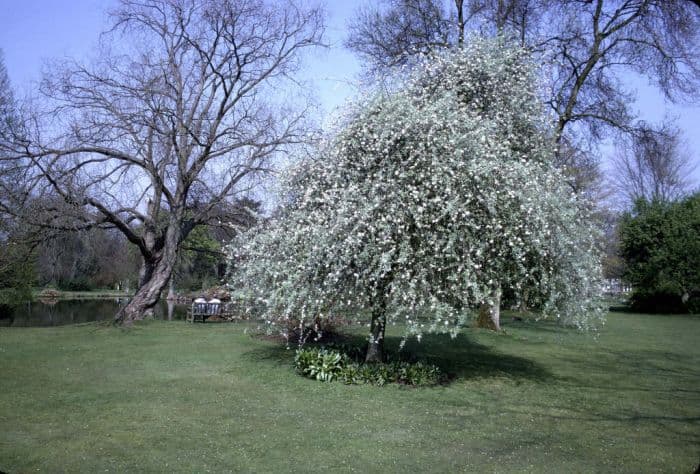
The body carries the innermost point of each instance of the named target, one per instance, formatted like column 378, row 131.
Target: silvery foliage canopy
column 430, row 197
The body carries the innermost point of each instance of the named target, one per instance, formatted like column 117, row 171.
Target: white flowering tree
column 433, row 199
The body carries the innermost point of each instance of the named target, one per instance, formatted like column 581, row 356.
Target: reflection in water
column 171, row 309
column 80, row 311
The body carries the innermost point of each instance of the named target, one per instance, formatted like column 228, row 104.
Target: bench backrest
column 206, row 308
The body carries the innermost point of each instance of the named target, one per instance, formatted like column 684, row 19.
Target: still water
column 79, row 311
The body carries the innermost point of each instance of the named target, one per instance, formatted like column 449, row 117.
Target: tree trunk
column 524, row 306
column 148, row 294
column 490, row 312
column 145, row 273
column 158, row 264
column 460, row 22
column 153, row 278
column 375, row 348
column 171, row 290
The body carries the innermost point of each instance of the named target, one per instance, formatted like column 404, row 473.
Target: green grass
column 171, row 396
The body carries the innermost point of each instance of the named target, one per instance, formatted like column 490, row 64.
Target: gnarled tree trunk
column 490, row 312
column 147, row 296
column 156, row 271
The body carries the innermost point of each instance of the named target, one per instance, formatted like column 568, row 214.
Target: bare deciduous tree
column 521, row 19
column 654, row 164
column 387, row 37
column 16, row 276
column 179, row 114
column 585, row 45
column 596, row 40
column 8, row 116
column 6, row 97
column 10, row 169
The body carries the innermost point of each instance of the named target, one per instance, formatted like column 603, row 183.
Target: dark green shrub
column 655, row 300
column 660, row 245
column 326, row 364
column 351, row 374
column 376, row 374
column 420, row 374
column 76, row 284
column 354, row 352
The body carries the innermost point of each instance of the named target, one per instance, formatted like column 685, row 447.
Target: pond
column 63, row 312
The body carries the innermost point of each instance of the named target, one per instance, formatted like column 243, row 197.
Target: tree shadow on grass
column 462, row 357
column 276, row 353
column 459, row 357
column 534, row 323
column 654, row 371
column 675, row 427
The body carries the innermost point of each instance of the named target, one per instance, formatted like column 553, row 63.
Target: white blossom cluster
column 430, row 197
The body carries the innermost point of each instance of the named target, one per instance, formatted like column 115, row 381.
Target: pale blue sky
column 33, row 31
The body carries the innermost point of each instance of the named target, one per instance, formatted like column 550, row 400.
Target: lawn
column 171, row 396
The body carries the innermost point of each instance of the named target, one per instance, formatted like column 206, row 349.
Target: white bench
column 201, row 310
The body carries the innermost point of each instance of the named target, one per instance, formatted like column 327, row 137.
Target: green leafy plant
column 326, row 365
column 320, row 364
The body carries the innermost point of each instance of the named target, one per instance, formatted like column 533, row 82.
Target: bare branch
column 177, row 117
